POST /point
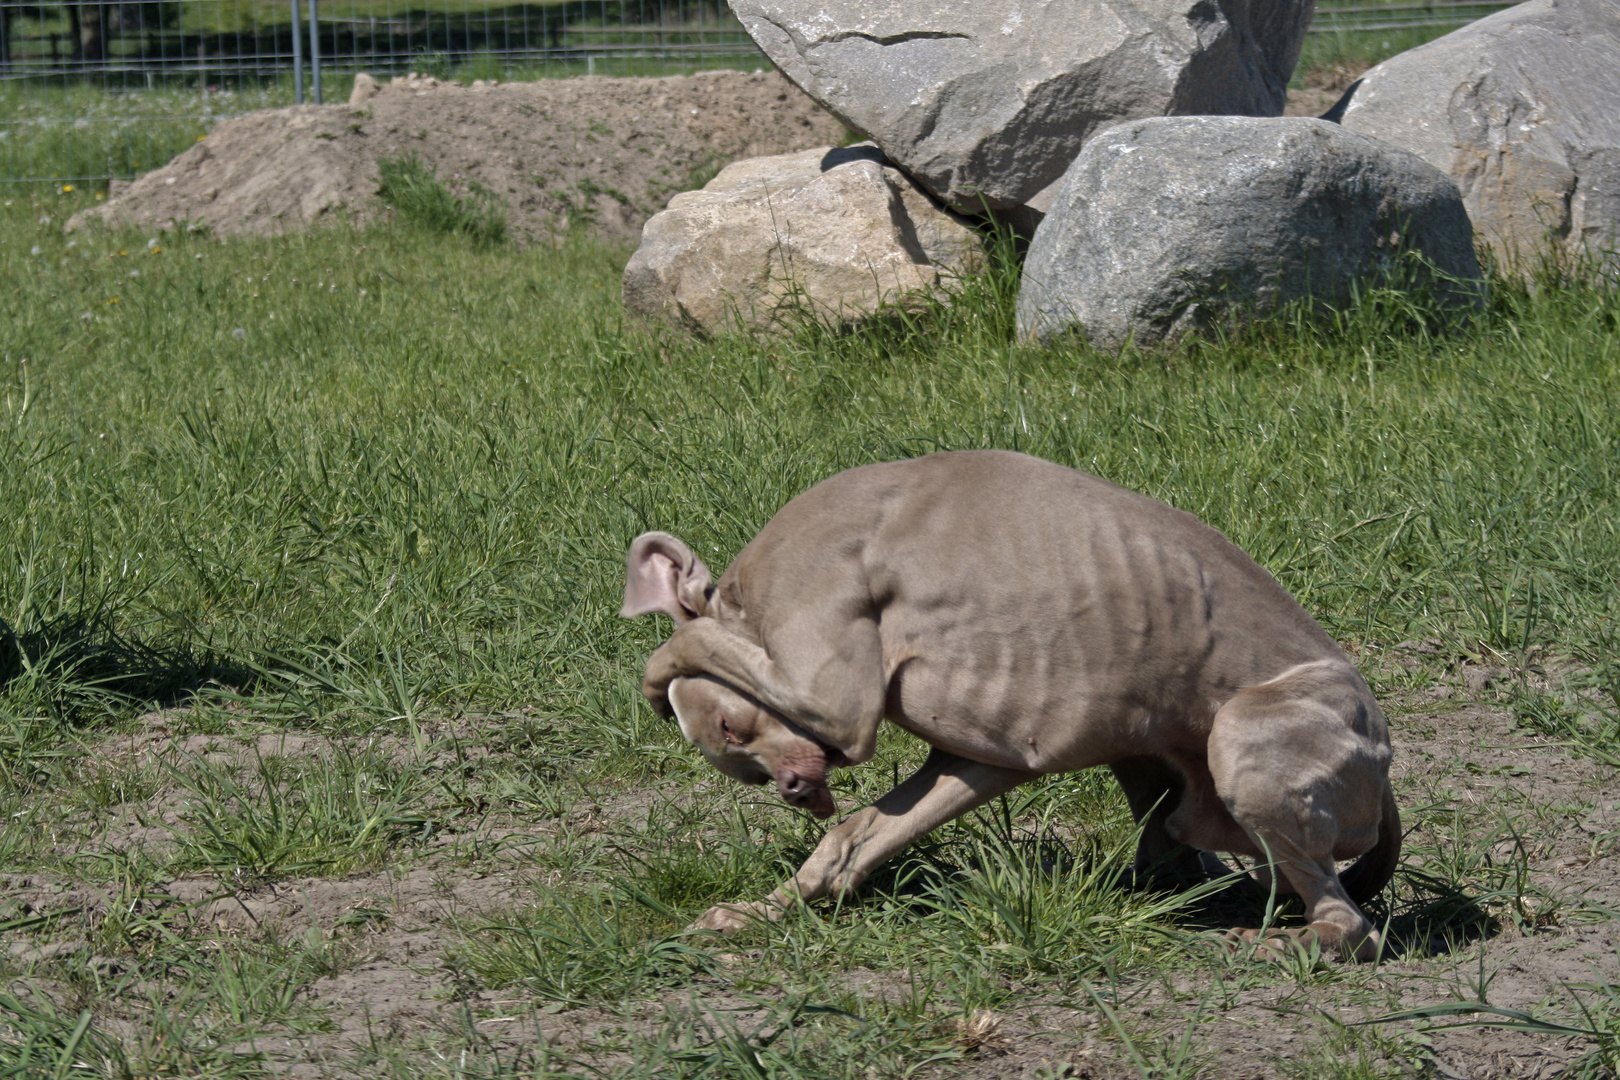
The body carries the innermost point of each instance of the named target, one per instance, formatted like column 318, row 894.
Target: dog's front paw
column 1317, row 939
column 729, row 918
column 1273, row 944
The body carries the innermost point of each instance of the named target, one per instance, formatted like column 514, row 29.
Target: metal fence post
column 314, row 52
column 298, row 56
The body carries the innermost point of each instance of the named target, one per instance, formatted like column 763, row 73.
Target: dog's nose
column 795, row 789
column 811, row 795
column 791, row 786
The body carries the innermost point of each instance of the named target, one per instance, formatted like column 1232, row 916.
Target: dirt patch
column 398, row 924
column 593, row 151
column 393, row 928
column 1472, row 786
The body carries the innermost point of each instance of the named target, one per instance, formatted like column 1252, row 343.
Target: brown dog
column 1023, row 618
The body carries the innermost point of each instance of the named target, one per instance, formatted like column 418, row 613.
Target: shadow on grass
column 1420, row 915
column 80, row 660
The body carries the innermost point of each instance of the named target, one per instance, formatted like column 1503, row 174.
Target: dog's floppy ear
column 662, row 574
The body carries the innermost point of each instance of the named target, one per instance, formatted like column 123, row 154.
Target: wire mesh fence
column 91, row 91
column 1348, row 18
column 142, row 44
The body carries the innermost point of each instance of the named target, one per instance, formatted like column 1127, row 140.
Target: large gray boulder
column 987, row 103
column 1180, row 223
column 832, row 233
column 1522, row 109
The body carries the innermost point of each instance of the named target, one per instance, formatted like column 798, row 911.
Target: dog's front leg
column 945, row 787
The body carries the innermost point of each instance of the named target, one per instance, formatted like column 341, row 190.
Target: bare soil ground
column 600, row 152
column 1475, row 791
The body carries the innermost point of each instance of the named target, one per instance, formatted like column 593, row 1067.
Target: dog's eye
column 725, row 729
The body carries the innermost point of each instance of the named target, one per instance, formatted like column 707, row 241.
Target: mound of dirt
column 605, row 153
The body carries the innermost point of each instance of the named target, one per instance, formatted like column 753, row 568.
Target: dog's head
column 750, row 743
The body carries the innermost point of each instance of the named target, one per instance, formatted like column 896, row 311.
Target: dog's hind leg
column 1302, row 764
column 1153, row 788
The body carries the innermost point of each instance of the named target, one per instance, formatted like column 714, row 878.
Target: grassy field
column 321, row 748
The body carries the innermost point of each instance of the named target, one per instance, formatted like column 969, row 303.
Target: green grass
column 1348, row 49
column 375, row 488
column 71, row 134
column 388, row 468
column 422, row 201
column 376, row 474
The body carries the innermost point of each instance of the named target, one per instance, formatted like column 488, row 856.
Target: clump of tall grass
column 286, row 816
column 411, row 188
column 579, row 951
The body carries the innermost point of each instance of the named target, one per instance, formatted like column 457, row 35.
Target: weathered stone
column 365, row 88
column 986, row 103
column 834, row 231
column 1522, row 109
column 1180, row 223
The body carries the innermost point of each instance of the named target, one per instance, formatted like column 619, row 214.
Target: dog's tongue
column 820, row 802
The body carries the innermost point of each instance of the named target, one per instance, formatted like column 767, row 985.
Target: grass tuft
column 580, row 952
column 411, row 188
column 288, row 816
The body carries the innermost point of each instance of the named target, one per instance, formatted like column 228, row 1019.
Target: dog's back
column 1031, row 615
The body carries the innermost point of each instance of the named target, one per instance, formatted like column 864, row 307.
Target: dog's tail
column 1372, row 871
